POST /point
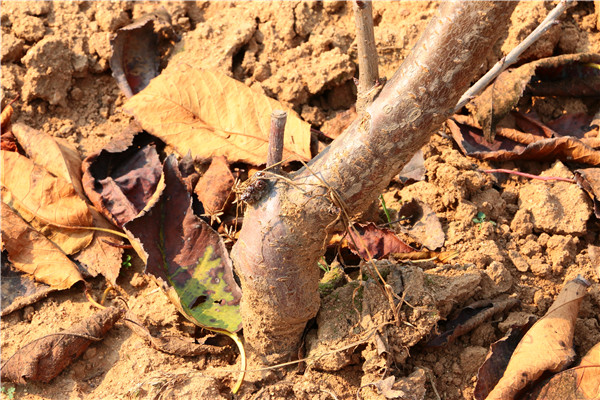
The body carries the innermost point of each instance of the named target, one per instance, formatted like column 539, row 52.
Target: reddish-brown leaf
column 471, row 142
column 43, row 359
column 214, row 189
column 121, row 178
column 589, row 180
column 369, row 240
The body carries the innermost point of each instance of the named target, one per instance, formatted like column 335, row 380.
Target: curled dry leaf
column 581, row 382
column 214, row 189
column 500, row 98
column 186, row 255
column 120, row 179
column 422, row 224
column 43, row 359
column 211, row 114
column 547, row 346
column 369, row 240
column 470, row 318
column 135, row 53
column 471, row 142
column 415, row 170
column 55, row 155
column 589, row 180
column 19, row 289
column 179, row 346
column 31, row 252
column 47, row 202
column 497, row 359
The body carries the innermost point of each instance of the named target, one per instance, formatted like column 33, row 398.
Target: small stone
column 556, row 207
column 500, row 275
column 28, row 313
column 518, row 261
column 29, row 28
column 138, row 280
column 539, row 268
column 522, row 223
column 12, row 48
column 110, row 19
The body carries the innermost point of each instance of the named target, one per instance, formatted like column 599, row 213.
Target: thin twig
column 368, row 59
column 530, row 176
column 513, row 56
column 276, row 133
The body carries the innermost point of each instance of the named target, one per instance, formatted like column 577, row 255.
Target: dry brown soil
column 55, row 55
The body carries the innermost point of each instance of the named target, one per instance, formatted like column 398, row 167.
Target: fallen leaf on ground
column 179, row 346
column 101, row 257
column 589, row 180
column 214, row 189
column 497, row 359
column 470, row 318
column 47, row 202
column 187, row 255
column 385, row 388
column 422, row 224
column 55, row 155
column 471, row 142
column 415, row 170
column 581, row 382
column 212, row 114
column 19, row 289
column 121, row 178
column 43, row 359
column 547, row 346
column 368, row 240
column 135, row 54
column 500, row 98
column 31, row 252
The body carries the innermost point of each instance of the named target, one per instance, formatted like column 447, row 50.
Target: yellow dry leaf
column 211, row 114
column 48, row 203
column 547, row 346
column 31, row 252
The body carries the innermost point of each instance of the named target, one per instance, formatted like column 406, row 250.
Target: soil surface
column 536, row 235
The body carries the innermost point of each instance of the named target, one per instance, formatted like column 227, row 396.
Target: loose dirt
column 536, row 235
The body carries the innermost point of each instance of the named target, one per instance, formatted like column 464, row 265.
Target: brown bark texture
column 284, row 233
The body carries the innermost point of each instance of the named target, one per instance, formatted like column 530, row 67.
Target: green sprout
column 385, row 210
column 9, row 392
column 323, row 265
column 480, row 219
column 127, row 261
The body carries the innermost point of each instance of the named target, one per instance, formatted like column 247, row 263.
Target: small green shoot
column 480, row 219
column 127, row 261
column 385, row 210
column 323, row 265
column 9, row 392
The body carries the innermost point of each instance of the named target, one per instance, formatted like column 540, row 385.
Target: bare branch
column 513, row 56
column 275, row 154
column 368, row 60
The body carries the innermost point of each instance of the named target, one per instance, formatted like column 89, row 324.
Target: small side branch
column 275, row 154
column 513, row 56
column 368, row 62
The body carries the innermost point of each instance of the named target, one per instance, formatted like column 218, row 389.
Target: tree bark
column 284, row 234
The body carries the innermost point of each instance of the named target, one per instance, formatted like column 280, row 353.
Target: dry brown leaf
column 31, row 252
column 589, row 373
column 212, row 114
column 547, row 346
column 48, row 203
column 214, row 189
column 44, row 358
column 56, row 155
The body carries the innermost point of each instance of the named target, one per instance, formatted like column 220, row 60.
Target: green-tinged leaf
column 187, row 255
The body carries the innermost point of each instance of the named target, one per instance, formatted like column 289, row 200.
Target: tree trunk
column 284, row 233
